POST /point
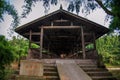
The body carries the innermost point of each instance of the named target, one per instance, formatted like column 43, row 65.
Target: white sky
column 97, row 16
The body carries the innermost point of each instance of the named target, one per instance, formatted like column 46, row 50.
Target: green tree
column 7, row 8
column 111, row 7
column 6, row 56
column 109, row 47
column 20, row 46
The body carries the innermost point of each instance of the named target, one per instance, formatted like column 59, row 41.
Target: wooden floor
column 69, row 70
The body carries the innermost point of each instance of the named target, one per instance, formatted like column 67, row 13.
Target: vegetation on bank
column 109, row 47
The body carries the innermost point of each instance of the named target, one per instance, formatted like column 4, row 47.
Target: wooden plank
column 30, row 38
column 60, row 27
column 63, row 37
column 61, row 20
column 69, row 70
column 33, row 33
column 88, row 34
column 94, row 41
column 41, row 43
column 87, row 43
column 83, row 43
column 37, row 42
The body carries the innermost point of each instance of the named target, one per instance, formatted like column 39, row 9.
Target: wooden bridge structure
column 63, row 36
column 62, row 32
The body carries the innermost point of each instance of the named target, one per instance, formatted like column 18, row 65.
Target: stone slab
column 31, row 68
column 28, row 78
column 69, row 70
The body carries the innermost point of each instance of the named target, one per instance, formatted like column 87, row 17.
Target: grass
column 116, row 73
column 112, row 66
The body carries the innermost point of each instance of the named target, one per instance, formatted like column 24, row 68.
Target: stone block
column 31, row 68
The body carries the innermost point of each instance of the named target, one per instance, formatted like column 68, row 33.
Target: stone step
column 86, row 62
column 99, row 73
column 51, row 78
column 52, row 65
column 94, row 69
column 21, row 77
column 103, row 78
column 88, row 66
column 50, row 69
column 49, row 73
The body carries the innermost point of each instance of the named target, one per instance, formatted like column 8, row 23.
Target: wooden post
column 30, row 38
column 94, row 41
column 48, row 47
column 83, row 43
column 41, row 42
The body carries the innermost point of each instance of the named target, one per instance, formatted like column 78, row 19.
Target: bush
column 6, row 56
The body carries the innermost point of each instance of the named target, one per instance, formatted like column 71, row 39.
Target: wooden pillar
column 30, row 38
column 41, row 42
column 83, row 43
column 48, row 47
column 94, row 41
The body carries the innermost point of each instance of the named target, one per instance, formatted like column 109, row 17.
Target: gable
column 62, row 18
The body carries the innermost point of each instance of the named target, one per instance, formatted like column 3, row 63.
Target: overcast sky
column 97, row 16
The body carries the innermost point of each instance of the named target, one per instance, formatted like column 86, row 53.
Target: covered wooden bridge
column 62, row 34
column 63, row 38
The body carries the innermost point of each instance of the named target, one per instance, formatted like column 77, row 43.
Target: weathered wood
column 88, row 34
column 71, row 23
column 33, row 33
column 69, row 70
column 83, row 42
column 61, row 20
column 94, row 41
column 87, row 43
column 37, row 42
column 30, row 38
column 62, row 37
column 60, row 27
column 41, row 43
column 52, row 24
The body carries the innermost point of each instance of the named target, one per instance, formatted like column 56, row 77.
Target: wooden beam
column 41, row 43
column 33, row 33
column 60, row 27
column 83, row 43
column 61, row 20
column 88, row 34
column 62, row 37
column 37, row 42
column 87, row 43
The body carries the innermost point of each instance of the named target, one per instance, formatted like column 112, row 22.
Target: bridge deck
column 69, row 70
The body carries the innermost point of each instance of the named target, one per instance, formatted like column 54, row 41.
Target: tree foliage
column 6, row 55
column 109, row 47
column 20, row 46
column 6, row 7
column 111, row 7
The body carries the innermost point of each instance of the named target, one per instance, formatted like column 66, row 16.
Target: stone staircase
column 50, row 72
column 95, row 72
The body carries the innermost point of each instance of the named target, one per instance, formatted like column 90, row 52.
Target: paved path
column 69, row 70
